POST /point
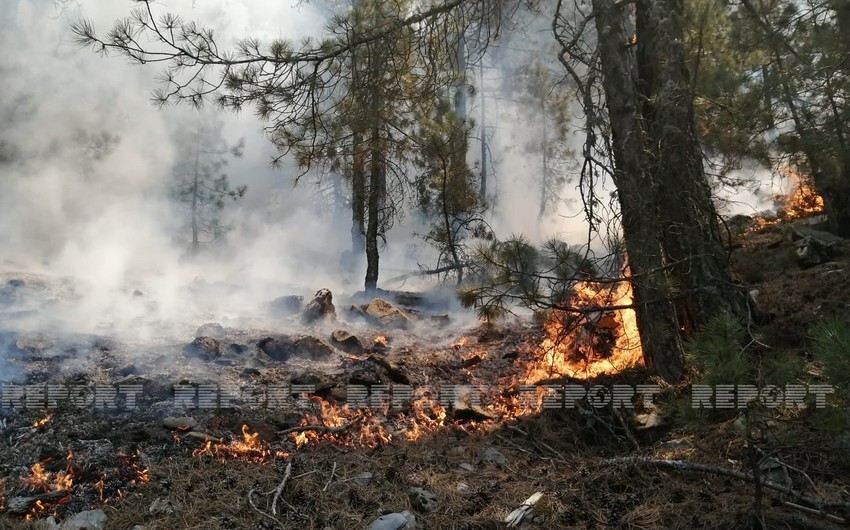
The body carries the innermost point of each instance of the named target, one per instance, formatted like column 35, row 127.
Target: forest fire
column 249, row 449
column 591, row 341
column 802, row 201
column 42, row 481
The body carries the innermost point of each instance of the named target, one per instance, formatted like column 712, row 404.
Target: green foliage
column 831, row 350
column 716, row 352
column 515, row 272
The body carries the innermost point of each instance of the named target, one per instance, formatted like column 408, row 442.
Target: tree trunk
column 680, row 276
column 376, row 198
column 656, row 316
column 691, row 238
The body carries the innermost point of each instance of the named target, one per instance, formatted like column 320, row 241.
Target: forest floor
column 160, row 466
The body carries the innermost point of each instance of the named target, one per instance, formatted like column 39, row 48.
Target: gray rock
column 362, row 479
column 184, row 423
column 491, row 455
column 206, row 347
column 394, row 521
column 387, row 315
column 286, row 305
column 347, row 342
column 321, row 307
column 211, row 329
column 463, row 488
column 466, row 466
column 283, row 347
column 166, row 507
column 422, row 500
column 88, row 520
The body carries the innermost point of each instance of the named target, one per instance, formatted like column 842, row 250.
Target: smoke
column 87, row 173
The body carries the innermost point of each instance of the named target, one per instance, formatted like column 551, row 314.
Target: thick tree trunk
column 377, row 187
column 680, row 276
column 691, row 237
column 656, row 316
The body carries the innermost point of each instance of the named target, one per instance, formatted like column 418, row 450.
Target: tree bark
column 376, row 198
column 680, row 276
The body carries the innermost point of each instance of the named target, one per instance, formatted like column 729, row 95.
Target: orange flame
column 43, row 421
column 593, row 340
column 46, row 482
column 802, row 201
column 250, row 449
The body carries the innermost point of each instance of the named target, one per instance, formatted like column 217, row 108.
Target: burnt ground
column 146, row 467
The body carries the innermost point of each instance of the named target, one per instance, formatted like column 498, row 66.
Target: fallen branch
column 331, row 478
column 683, row 465
column 440, row 270
column 21, row 505
column 277, row 491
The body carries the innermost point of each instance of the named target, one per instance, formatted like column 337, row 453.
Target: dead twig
column 625, row 427
column 276, row 496
column 281, row 486
column 684, row 465
column 330, row 479
column 827, row 516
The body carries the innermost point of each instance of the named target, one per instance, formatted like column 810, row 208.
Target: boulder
column 204, row 347
column 286, row 305
column 283, row 347
column 211, row 329
column 346, row 342
column 387, row 315
column 321, row 307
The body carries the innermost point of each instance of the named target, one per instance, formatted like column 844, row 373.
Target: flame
column 250, row 449
column 42, row 422
column 46, row 482
column 802, row 201
column 590, row 343
column 99, row 487
column 461, row 342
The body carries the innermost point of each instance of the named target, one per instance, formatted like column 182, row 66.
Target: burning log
column 34, row 504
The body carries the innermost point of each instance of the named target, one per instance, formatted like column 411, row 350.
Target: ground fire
column 802, row 201
column 590, row 341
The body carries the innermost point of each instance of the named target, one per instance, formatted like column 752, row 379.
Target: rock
column 204, row 347
column 493, row 455
column 183, row 423
column 394, row 521
column 362, row 479
column 166, row 507
column 283, row 347
column 422, row 500
column 212, row 329
column 321, row 307
column 811, row 251
column 440, row 320
column 321, row 382
column 33, row 342
column 467, row 405
column 286, row 305
column 387, row 315
column 16, row 283
column 88, row 520
column 463, row 488
column 347, row 342
column 466, row 466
